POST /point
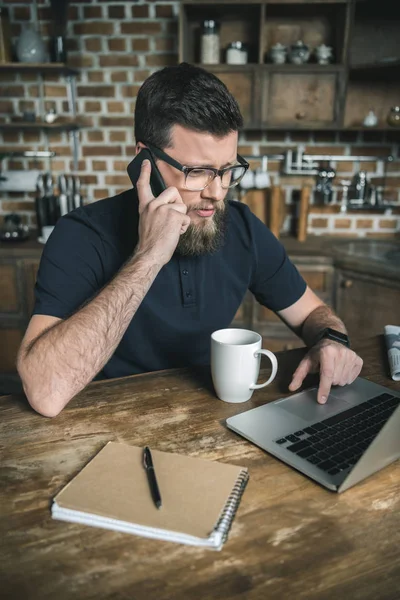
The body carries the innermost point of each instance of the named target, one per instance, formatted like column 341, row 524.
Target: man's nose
column 214, row 190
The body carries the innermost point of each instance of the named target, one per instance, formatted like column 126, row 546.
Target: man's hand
column 162, row 220
column 336, row 364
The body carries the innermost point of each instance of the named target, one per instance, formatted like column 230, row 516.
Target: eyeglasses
column 198, row 178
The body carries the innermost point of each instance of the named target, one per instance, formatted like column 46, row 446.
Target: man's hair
column 188, row 96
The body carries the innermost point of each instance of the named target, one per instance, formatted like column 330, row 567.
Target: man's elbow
column 43, row 403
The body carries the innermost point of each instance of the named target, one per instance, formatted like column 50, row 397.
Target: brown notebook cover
column 199, row 497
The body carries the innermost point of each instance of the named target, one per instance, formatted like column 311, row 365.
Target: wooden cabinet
column 17, row 280
column 364, row 72
column 367, row 303
column 309, row 98
column 274, row 95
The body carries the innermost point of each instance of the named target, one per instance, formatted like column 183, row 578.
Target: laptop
column 355, row 434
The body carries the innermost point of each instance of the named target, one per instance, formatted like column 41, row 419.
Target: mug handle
column 274, row 362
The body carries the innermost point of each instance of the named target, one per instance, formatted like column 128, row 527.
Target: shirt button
column 185, row 272
column 188, row 294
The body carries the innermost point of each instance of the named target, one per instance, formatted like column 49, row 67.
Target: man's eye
column 198, row 173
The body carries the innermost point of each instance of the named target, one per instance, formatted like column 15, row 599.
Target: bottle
column 236, row 53
column 393, row 117
column 210, row 42
column 5, row 36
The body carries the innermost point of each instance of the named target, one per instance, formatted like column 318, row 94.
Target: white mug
column 235, row 363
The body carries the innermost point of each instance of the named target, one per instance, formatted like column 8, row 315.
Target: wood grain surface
column 291, row 538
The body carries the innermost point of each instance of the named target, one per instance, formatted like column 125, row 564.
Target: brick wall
column 116, row 46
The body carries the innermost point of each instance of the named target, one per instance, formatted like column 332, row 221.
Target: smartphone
column 157, row 183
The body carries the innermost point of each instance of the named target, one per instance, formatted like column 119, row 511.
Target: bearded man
column 137, row 283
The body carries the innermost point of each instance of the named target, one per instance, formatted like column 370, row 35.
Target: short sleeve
column 71, row 268
column 276, row 282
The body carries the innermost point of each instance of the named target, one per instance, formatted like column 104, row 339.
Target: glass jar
column 236, row 53
column 393, row 117
column 210, row 42
column 5, row 36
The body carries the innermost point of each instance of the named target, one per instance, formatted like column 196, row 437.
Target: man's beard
column 207, row 237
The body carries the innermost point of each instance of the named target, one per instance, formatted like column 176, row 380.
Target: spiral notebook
column 199, row 497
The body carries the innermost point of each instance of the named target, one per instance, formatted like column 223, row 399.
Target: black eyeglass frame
column 186, row 170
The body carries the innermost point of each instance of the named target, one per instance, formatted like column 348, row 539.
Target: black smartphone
column 157, row 183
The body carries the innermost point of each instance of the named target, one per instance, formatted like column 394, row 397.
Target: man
column 136, row 283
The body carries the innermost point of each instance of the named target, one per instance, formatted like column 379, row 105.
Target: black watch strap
column 334, row 335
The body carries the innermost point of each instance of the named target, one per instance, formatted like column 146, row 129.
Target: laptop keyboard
column 336, row 443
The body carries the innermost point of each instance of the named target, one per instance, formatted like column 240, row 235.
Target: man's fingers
column 327, row 372
column 145, row 194
column 300, row 373
column 356, row 369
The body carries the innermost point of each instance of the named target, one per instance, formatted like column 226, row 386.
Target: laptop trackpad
column 305, row 406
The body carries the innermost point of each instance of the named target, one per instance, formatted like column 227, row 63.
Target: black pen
column 151, row 476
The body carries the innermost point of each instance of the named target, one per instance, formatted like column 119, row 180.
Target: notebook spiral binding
column 232, row 504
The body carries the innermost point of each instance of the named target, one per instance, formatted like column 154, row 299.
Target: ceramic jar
column 299, row 53
column 278, row 54
column 30, row 47
column 323, row 54
column 393, row 118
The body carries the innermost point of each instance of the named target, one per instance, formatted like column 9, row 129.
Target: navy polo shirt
column 191, row 296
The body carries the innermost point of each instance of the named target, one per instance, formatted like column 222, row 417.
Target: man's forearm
column 65, row 358
column 318, row 319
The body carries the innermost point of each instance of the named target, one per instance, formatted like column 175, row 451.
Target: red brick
column 116, row 121
column 388, row 223
column 319, row 223
column 99, row 194
column 161, row 60
column 141, row 75
column 105, row 91
column 119, row 76
column 95, row 136
column 141, row 28
column 117, row 136
column 31, row 137
column 115, row 107
column 339, row 150
column 10, row 137
column 93, row 44
column 55, row 91
column 342, row 223
column 15, row 206
column 6, row 106
column 164, row 11
column 117, row 180
column 371, row 150
column 106, row 150
column 23, row 13
column 92, row 12
column 140, row 12
column 140, row 44
column 99, row 165
column 120, row 165
column 118, row 60
column 96, row 76
column 364, row 223
column 165, row 44
column 12, row 91
column 129, row 91
column 94, row 28
column 80, row 61
column 117, row 44
column 116, row 12
column 92, row 106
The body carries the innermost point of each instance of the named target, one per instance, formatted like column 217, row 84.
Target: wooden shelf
column 283, row 68
column 381, row 69
column 43, row 68
column 29, row 125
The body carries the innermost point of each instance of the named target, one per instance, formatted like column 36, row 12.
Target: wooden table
column 291, row 538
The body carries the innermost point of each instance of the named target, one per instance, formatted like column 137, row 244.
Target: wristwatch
column 332, row 334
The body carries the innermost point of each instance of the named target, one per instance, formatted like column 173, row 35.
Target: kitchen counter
column 373, row 256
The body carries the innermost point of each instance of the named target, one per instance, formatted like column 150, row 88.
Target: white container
column 236, row 54
column 209, row 54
